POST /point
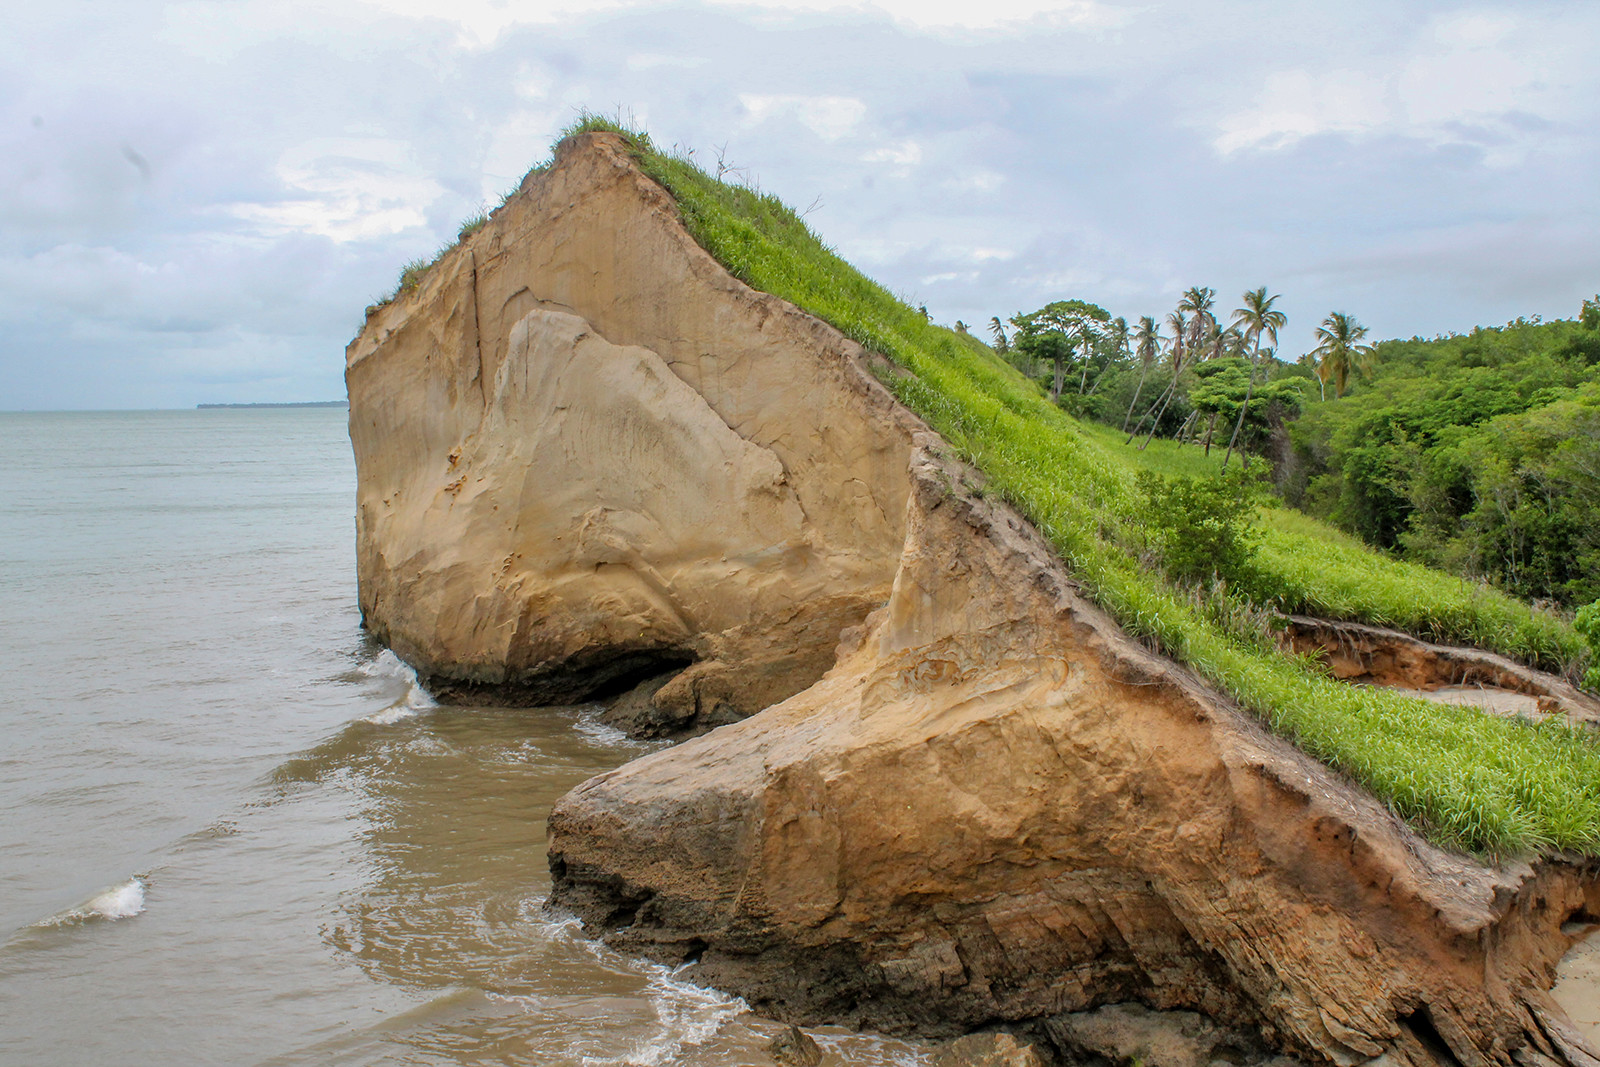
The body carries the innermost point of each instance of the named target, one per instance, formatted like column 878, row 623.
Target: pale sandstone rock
column 1132, row 1033
column 1372, row 655
column 586, row 454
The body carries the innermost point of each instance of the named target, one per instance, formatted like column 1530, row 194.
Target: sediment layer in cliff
column 586, row 453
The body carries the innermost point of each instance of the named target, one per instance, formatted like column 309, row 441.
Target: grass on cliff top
column 1321, row 570
column 1463, row 778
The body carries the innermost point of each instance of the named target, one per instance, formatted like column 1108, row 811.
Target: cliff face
column 997, row 808
column 585, row 452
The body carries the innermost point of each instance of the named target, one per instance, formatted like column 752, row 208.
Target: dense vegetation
column 1464, row 778
column 1478, row 453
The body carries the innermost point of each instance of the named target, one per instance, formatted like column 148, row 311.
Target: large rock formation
column 586, row 452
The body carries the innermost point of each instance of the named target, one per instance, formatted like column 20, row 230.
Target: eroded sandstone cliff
column 997, row 808
column 586, row 452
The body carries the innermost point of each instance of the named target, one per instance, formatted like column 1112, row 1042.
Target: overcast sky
column 198, row 199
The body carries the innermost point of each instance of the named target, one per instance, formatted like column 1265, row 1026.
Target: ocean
column 233, row 830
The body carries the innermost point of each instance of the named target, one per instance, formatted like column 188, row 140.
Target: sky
column 198, row 199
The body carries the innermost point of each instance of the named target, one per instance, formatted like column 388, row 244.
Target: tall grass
column 1465, row 779
column 1320, row 570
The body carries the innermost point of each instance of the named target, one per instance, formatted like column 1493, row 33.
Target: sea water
column 233, row 830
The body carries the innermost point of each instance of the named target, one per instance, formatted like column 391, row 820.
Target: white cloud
column 519, row 141
column 1000, row 155
column 1297, row 104
column 482, row 22
column 902, row 154
column 1477, row 77
column 975, row 181
column 829, row 117
column 357, row 188
column 656, row 61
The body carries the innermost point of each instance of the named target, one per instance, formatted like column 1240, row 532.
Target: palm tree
column 1147, row 342
column 1340, row 351
column 1230, row 341
column 1178, row 322
column 1198, row 301
column 1257, row 317
column 1002, row 344
column 1113, row 344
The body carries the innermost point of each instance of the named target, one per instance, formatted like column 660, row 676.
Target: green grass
column 472, row 225
column 1321, row 570
column 1465, row 779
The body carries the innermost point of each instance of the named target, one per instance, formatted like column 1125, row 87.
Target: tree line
column 1199, row 373
column 1477, row 453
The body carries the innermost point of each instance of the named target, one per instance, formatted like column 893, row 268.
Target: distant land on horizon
column 288, row 404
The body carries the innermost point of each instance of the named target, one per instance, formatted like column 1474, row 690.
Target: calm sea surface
column 233, row 831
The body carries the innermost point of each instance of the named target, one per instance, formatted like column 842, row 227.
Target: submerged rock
column 987, row 1050
column 587, row 456
column 1131, row 1033
column 795, row 1048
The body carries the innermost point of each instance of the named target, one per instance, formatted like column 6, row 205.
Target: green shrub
column 1588, row 624
column 1200, row 528
column 411, row 275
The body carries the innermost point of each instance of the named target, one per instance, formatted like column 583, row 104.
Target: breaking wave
column 122, row 901
column 395, row 676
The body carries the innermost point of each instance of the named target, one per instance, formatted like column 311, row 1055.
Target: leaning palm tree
column 1002, row 344
column 1201, row 307
column 1179, row 324
column 1230, row 341
column 1147, row 342
column 1257, row 317
column 1340, row 351
column 1197, row 302
column 1113, row 345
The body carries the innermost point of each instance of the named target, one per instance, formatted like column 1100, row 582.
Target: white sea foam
column 118, row 902
column 392, row 714
column 870, row 1050
column 388, row 667
column 588, row 726
column 687, row 1015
